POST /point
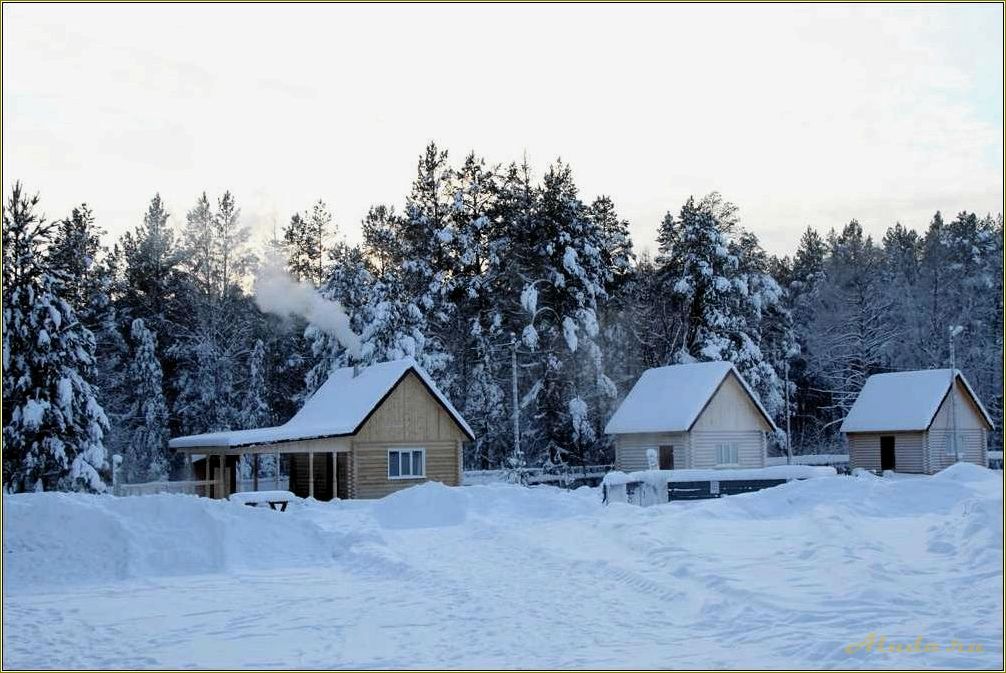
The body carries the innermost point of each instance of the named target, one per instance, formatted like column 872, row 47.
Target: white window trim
column 734, row 448
column 410, row 450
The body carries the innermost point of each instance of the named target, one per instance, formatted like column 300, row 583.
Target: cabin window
column 961, row 442
column 406, row 463
column 726, row 454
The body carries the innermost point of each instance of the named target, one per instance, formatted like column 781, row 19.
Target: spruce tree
column 294, row 243
column 146, row 457
column 53, row 425
column 719, row 278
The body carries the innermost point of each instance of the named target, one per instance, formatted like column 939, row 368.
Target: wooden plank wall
column 973, row 449
column 371, row 467
column 410, row 417
column 730, row 408
column 630, row 449
column 750, row 447
column 864, row 451
column 410, row 414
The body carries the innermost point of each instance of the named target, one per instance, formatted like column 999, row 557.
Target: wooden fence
column 840, row 461
column 564, row 477
column 203, row 487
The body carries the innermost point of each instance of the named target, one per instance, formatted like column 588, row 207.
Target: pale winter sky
column 799, row 114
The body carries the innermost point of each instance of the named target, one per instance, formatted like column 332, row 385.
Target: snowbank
column 69, row 538
column 969, row 472
column 433, row 505
column 427, row 505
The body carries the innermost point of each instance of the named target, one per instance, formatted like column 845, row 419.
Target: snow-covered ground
column 504, row 576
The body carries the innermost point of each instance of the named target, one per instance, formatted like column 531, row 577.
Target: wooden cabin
column 365, row 433
column 694, row 416
column 904, row 421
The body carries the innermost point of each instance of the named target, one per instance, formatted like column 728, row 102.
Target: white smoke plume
column 278, row 293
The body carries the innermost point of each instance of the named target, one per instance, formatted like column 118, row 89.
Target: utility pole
column 516, row 402
column 789, row 441
column 954, row 331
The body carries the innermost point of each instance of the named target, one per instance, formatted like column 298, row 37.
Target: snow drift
column 57, row 539
column 428, row 505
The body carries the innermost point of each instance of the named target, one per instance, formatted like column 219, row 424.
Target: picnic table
column 275, row 499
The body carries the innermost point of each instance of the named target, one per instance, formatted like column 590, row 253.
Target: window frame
column 732, row 450
column 410, row 451
column 948, row 443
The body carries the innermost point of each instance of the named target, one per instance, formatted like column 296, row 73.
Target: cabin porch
column 315, row 472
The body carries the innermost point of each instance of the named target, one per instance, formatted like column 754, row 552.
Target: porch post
column 277, row 471
column 335, row 475
column 211, row 474
column 310, row 474
column 254, row 471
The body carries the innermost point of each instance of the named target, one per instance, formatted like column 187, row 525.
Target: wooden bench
column 275, row 499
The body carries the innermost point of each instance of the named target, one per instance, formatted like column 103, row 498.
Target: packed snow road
column 805, row 575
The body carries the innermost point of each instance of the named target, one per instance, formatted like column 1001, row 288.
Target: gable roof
column 904, row 401
column 670, row 399
column 338, row 408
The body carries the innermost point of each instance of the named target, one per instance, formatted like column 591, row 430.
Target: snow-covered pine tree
column 567, row 279
column 351, row 283
column 974, row 253
column 216, row 332
column 481, row 366
column 231, row 256
column 151, row 283
column 380, row 239
column 319, row 230
column 53, row 425
column 769, row 341
column 719, row 277
column 901, row 250
column 75, row 248
column 294, row 241
column 803, row 281
column 146, row 424
column 90, row 279
column 306, row 243
column 409, row 309
column 255, row 411
column 199, row 246
column 851, row 333
column 615, row 340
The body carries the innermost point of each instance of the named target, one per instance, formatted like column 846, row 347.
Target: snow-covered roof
column 903, row 401
column 670, row 399
column 339, row 407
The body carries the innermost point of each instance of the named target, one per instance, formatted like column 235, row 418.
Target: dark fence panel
column 748, row 485
column 690, row 490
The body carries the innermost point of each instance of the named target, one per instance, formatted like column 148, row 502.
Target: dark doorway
column 666, row 457
column 324, row 465
column 887, row 453
column 342, row 475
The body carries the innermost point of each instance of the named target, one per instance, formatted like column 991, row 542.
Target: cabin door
column 887, row 453
column 666, row 457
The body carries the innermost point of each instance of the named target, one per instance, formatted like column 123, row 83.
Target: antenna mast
column 954, row 331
